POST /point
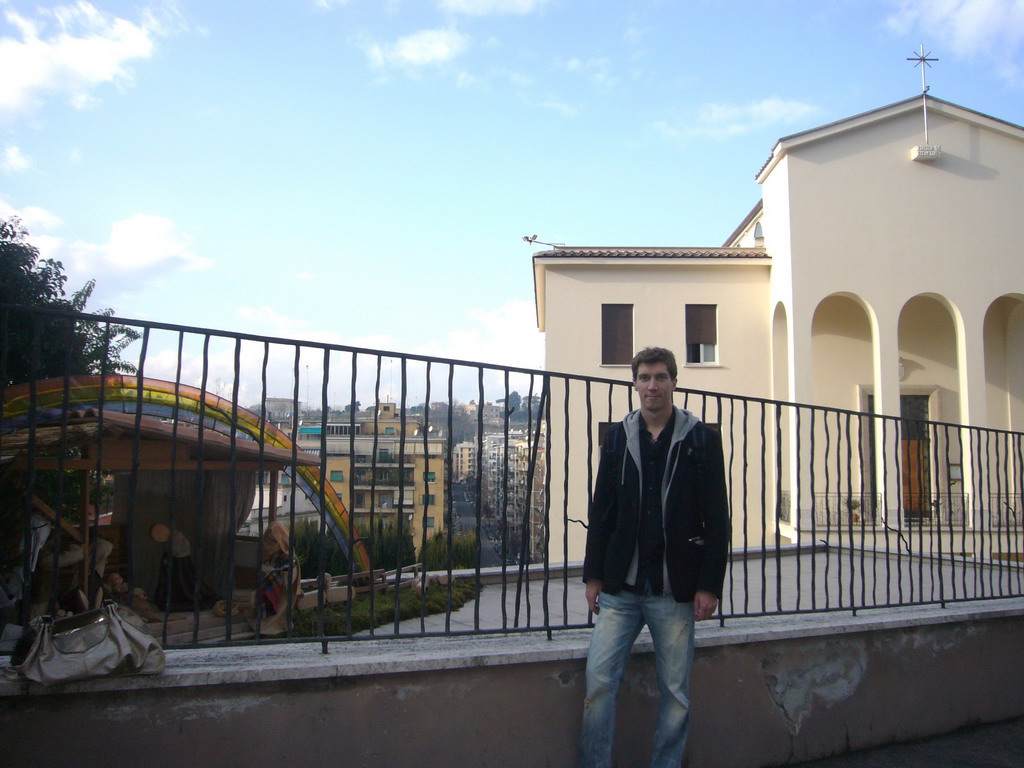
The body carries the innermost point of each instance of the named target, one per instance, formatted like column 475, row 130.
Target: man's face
column 654, row 385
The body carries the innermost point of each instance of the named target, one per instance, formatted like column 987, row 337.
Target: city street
column 464, row 521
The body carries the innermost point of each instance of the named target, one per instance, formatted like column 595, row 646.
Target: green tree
column 307, row 547
column 65, row 345
column 463, row 554
column 388, row 548
column 385, row 547
column 512, row 403
column 463, row 423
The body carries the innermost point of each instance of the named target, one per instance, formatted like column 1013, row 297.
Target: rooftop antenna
column 531, row 239
column 924, row 151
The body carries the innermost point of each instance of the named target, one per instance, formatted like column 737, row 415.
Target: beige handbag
column 111, row 640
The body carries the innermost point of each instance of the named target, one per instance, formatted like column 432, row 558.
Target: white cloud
column 502, row 336
column 424, row 48
column 327, row 5
column 491, row 7
column 270, row 321
column 528, row 92
column 140, row 251
column 633, row 35
column 568, row 110
column 139, row 247
column 144, row 241
column 597, row 71
column 767, row 112
column 519, row 80
column 668, row 130
column 506, row 335
column 720, row 121
column 991, row 30
column 70, row 50
column 162, row 362
column 15, row 161
column 35, row 219
column 467, row 80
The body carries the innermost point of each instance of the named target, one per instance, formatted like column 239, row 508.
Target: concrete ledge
column 762, row 629
column 799, row 687
column 346, row 659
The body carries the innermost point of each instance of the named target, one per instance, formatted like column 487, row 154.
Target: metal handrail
column 831, row 511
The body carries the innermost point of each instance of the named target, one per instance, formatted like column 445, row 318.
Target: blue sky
column 363, row 171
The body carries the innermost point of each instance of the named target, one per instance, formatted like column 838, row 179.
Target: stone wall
column 765, row 692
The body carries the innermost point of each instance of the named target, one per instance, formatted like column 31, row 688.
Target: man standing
column 657, row 548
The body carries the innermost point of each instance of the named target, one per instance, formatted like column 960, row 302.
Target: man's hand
column 704, row 604
column 593, row 590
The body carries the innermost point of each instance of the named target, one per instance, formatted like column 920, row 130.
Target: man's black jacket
column 695, row 509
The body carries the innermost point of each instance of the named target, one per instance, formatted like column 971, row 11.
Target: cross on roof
column 922, row 60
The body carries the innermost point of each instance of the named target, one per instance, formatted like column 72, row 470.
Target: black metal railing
column 133, row 475
column 833, row 509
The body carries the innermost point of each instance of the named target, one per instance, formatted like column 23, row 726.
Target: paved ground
column 999, row 745
column 996, row 745
column 826, row 580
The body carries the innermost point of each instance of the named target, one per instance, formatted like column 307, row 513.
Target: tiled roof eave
column 654, row 253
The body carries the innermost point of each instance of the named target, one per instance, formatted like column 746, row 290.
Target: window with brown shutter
column 616, row 334
column 701, row 333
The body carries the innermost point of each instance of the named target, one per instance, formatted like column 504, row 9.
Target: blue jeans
column 618, row 624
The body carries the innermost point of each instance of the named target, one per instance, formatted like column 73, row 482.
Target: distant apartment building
column 384, row 469
column 279, row 411
column 513, row 473
column 527, row 495
column 464, row 461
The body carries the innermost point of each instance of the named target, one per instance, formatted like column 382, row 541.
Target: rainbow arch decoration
column 166, row 399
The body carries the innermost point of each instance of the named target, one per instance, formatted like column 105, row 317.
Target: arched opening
column 928, row 358
column 1004, row 362
column 780, row 353
column 842, row 350
column 929, row 389
column 842, row 345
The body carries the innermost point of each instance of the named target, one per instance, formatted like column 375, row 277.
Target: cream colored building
column 877, row 273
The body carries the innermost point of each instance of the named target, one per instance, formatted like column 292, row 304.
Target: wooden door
column 915, row 456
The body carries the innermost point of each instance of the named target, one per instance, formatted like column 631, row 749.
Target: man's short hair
column 652, row 355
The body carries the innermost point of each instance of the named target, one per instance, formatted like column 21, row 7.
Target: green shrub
column 384, row 550
column 336, row 617
column 435, row 556
column 307, row 547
